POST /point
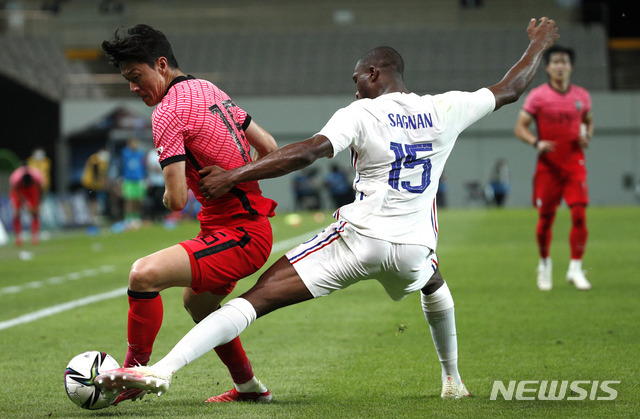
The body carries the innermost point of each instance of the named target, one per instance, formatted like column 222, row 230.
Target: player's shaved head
column 383, row 58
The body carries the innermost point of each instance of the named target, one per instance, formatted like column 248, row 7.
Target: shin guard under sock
column 543, row 234
column 144, row 321
column 578, row 234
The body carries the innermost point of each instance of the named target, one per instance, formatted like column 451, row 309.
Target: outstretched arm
column 542, row 34
column 215, row 181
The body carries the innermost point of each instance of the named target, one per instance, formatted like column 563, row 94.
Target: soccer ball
column 79, row 376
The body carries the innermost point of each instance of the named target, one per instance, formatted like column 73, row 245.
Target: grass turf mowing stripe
column 59, row 308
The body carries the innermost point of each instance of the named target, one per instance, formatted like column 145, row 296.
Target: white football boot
column 141, row 377
column 544, row 274
column 575, row 276
column 452, row 391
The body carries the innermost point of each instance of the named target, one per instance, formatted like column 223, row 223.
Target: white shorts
column 339, row 256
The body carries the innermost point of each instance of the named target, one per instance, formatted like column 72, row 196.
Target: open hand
column 544, row 31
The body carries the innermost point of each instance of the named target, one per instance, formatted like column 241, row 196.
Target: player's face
column 559, row 67
column 145, row 81
column 362, row 81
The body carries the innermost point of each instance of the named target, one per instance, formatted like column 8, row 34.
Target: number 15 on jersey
column 407, row 157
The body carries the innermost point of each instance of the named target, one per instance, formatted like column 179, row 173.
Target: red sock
column 145, row 319
column 543, row 233
column 578, row 234
column 35, row 228
column 17, row 227
column 233, row 356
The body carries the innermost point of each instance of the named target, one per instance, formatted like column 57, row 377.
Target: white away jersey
column 399, row 145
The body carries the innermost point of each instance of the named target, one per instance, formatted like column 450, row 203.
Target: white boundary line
column 71, row 276
column 50, row 311
column 59, row 308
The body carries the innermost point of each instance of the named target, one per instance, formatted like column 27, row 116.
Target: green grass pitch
column 354, row 354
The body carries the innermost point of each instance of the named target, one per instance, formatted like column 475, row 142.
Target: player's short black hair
column 140, row 44
column 27, row 179
column 561, row 49
column 384, row 57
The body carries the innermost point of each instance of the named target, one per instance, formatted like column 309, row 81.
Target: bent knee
column 434, row 283
column 579, row 215
column 142, row 276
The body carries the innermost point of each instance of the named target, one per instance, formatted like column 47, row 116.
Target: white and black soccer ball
column 80, row 374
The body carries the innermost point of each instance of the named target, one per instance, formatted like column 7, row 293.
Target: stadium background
column 289, row 64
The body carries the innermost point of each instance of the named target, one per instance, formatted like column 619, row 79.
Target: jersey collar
column 178, row 80
column 560, row 91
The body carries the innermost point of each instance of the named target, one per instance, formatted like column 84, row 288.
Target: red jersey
column 558, row 117
column 21, row 191
column 15, row 180
column 199, row 123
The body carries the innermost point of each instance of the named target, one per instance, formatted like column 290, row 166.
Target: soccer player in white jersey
column 399, row 143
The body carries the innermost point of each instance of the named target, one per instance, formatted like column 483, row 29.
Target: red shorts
column 550, row 187
column 227, row 254
column 30, row 195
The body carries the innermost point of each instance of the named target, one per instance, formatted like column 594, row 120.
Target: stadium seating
column 317, row 62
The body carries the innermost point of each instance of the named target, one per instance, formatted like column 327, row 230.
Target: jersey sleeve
column 342, row 128
column 587, row 101
column 247, row 121
column 532, row 103
column 168, row 136
column 465, row 108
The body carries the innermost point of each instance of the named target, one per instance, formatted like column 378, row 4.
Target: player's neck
column 560, row 85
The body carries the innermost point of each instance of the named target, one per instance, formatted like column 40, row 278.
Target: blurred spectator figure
column 306, row 191
column 499, row 183
column 339, row 187
column 39, row 160
column 134, row 188
column 25, row 187
column 95, row 178
column 155, row 209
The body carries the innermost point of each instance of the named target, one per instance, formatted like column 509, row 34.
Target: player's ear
column 373, row 73
column 162, row 65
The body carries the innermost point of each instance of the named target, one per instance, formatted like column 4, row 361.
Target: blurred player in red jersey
column 195, row 124
column 25, row 187
column 562, row 112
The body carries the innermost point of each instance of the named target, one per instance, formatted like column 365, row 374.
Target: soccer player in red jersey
column 195, row 124
column 564, row 122
column 25, row 187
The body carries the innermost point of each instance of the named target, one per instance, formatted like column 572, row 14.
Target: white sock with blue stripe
column 440, row 314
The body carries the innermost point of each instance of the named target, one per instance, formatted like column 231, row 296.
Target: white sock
column 440, row 314
column 575, row 264
column 252, row 386
column 545, row 261
column 216, row 329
